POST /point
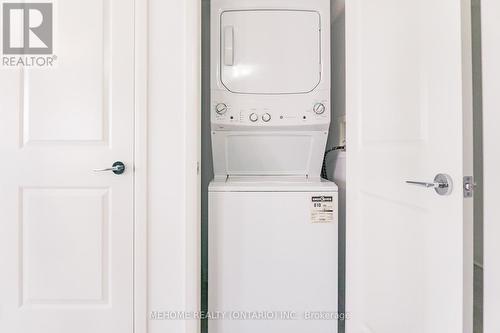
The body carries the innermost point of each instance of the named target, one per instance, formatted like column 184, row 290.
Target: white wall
column 338, row 71
column 478, row 132
column 336, row 161
column 206, row 149
column 173, row 267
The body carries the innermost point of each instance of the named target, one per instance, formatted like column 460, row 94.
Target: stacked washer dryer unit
column 272, row 219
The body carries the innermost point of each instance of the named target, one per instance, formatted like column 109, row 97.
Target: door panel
column 56, row 253
column 66, row 232
column 71, row 101
column 409, row 250
column 260, row 57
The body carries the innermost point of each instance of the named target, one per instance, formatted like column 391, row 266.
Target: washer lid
column 271, row 184
column 270, row 51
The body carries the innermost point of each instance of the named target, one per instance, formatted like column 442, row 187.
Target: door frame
column 193, row 157
column 193, row 162
column 140, row 255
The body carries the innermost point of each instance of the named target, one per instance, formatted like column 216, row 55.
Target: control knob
column 253, row 117
column 221, row 108
column 319, row 108
column 266, row 117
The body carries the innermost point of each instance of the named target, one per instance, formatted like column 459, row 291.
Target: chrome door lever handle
column 435, row 185
column 442, row 184
column 118, row 168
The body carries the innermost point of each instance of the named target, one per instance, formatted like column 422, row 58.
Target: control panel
column 311, row 113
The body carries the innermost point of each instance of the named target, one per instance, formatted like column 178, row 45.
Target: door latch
column 469, row 186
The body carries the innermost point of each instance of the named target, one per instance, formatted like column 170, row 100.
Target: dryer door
column 270, row 51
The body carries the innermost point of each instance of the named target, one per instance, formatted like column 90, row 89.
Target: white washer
column 272, row 251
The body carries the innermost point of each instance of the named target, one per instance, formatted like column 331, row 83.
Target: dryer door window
column 270, row 51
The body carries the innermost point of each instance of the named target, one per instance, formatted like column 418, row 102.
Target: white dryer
column 270, row 86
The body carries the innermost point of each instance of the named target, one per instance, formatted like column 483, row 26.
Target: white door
column 409, row 118
column 490, row 39
column 66, row 232
column 259, row 56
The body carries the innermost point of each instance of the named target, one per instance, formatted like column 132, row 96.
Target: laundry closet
column 336, row 151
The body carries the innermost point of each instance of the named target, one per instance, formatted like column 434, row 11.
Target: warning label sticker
column 322, row 209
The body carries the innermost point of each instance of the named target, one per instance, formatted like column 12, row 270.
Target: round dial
column 253, row 117
column 319, row 108
column 266, row 117
column 221, row 108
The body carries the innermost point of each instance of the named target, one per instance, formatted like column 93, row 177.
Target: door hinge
column 469, row 186
column 197, row 168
